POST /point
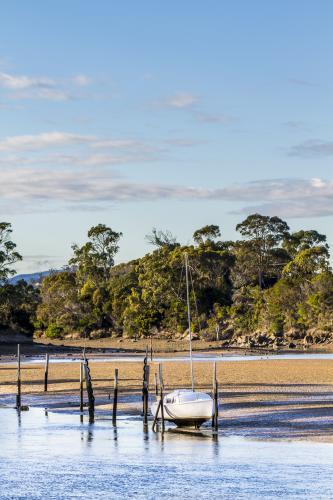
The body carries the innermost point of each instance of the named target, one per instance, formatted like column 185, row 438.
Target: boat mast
column 189, row 317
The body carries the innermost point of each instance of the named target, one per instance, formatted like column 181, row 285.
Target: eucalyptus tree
column 8, row 254
column 207, row 233
column 260, row 255
column 95, row 259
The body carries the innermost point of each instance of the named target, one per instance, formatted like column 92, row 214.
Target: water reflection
column 69, row 458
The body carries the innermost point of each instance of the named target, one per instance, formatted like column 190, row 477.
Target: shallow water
column 56, row 456
column 197, row 357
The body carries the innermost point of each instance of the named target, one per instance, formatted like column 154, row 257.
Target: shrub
column 54, row 332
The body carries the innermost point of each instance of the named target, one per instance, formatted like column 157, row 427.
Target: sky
column 171, row 115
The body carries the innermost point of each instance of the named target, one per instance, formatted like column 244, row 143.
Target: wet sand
column 283, row 399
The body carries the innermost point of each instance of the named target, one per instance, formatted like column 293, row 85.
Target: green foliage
column 206, row 234
column 54, row 331
column 95, row 259
column 18, row 305
column 273, row 282
column 260, row 257
column 8, row 254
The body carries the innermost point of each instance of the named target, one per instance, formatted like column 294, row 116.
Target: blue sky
column 162, row 114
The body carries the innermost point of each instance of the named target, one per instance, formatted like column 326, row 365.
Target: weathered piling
column 90, row 392
column 161, row 396
column 215, row 419
column 18, row 396
column 160, row 407
column 156, row 384
column 81, row 385
column 46, row 372
column 115, row 397
column 145, row 388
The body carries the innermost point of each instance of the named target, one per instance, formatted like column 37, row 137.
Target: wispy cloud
column 42, row 141
column 296, row 125
column 203, row 117
column 29, row 87
column 85, row 189
column 81, row 80
column 301, row 82
column 183, row 143
column 182, row 100
column 312, row 148
column 22, row 82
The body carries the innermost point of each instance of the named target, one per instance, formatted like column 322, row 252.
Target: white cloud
column 22, row 82
column 182, row 100
column 27, row 87
column 89, row 188
column 41, row 141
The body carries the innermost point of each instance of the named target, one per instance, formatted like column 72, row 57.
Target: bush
column 54, row 332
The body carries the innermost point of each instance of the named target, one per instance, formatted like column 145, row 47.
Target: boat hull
column 186, row 414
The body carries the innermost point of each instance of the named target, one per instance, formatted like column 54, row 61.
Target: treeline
column 270, row 287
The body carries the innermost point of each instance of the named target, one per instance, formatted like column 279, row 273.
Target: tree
column 261, row 255
column 8, row 254
column 60, row 305
column 307, row 263
column 303, row 240
column 18, row 305
column 206, row 234
column 95, row 258
column 161, row 239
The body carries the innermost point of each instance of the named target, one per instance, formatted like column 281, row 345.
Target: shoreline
column 162, row 348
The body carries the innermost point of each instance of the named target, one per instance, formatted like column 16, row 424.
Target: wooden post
column 115, row 397
column 151, row 348
column 46, row 372
column 90, row 392
column 156, row 384
column 215, row 419
column 145, row 390
column 18, row 396
column 160, row 407
column 161, row 396
column 81, row 385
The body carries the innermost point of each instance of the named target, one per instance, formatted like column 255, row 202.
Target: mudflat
column 265, row 398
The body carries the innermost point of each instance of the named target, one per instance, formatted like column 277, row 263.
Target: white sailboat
column 186, row 407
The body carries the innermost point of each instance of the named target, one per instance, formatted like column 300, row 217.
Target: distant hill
column 31, row 278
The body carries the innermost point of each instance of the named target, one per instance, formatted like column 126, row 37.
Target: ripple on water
column 56, row 456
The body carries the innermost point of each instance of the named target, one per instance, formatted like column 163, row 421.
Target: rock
column 292, row 345
column 308, row 340
column 195, row 336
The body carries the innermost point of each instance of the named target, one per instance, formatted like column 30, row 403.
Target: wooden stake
column 115, row 397
column 18, row 396
column 156, row 384
column 145, row 390
column 46, row 373
column 151, row 349
column 90, row 392
column 81, row 385
column 161, row 396
column 156, row 415
column 215, row 419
